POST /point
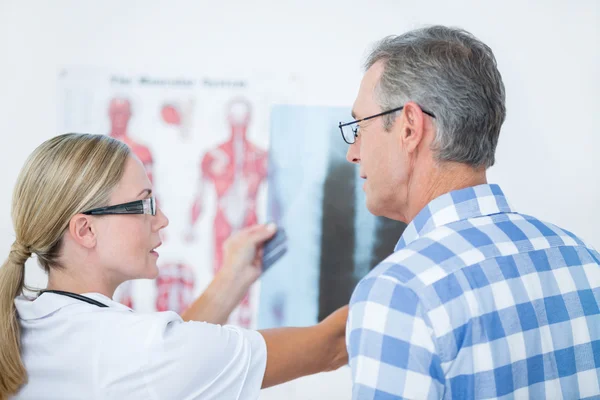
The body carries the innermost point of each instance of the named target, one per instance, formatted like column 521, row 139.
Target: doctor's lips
column 153, row 251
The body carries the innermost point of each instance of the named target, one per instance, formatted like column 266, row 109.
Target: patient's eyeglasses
column 145, row 206
column 350, row 129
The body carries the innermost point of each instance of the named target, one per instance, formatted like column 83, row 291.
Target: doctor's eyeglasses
column 145, row 206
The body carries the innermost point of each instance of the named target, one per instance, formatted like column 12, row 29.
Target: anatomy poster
column 317, row 197
column 204, row 143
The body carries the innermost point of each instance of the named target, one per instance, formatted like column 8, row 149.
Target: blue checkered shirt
column 478, row 301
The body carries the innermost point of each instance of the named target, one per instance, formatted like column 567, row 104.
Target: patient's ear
column 411, row 126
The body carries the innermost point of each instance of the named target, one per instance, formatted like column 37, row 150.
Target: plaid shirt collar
column 472, row 202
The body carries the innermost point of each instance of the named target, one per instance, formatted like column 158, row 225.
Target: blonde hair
column 62, row 177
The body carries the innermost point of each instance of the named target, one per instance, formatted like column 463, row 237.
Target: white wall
column 548, row 53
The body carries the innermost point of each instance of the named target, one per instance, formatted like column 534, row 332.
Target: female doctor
column 83, row 205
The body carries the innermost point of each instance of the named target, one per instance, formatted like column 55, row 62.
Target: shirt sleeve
column 391, row 344
column 193, row 360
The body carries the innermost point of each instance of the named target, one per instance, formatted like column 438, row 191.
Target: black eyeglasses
column 145, row 206
column 350, row 133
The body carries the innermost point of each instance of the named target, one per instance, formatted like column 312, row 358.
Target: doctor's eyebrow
column 149, row 192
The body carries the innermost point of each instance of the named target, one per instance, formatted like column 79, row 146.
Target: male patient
column 477, row 300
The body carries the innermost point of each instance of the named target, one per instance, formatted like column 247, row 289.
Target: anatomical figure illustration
column 236, row 169
column 119, row 112
column 178, row 114
column 175, row 287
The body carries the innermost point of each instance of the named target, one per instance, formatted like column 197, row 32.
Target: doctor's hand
column 296, row 352
column 335, row 326
column 242, row 266
column 242, row 255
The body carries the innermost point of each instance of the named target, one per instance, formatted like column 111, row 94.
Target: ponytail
column 12, row 279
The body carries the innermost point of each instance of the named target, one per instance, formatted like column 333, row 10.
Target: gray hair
column 448, row 72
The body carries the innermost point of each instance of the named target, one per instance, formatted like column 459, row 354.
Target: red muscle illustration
column 175, row 284
column 235, row 168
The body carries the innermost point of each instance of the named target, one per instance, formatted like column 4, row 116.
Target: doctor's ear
column 82, row 230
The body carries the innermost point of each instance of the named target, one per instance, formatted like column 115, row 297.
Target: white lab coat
column 75, row 350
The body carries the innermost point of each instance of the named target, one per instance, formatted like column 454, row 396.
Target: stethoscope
column 75, row 296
